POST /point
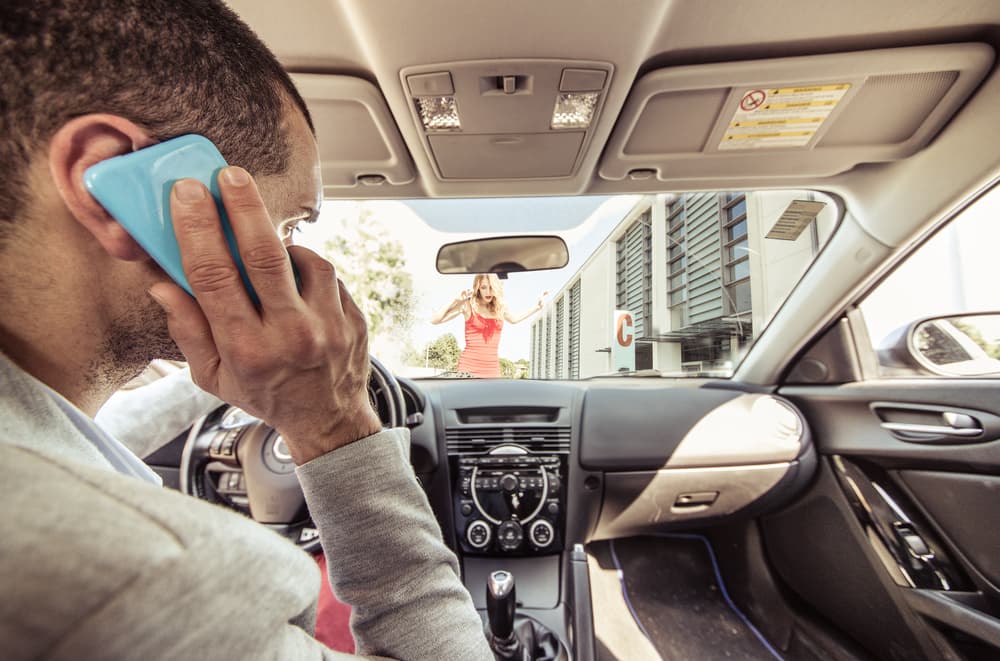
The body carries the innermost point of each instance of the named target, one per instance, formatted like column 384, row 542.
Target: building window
column 707, row 350
column 676, row 255
column 548, row 346
column 574, row 331
column 560, row 345
column 534, row 349
column 634, row 272
column 736, row 255
column 643, row 356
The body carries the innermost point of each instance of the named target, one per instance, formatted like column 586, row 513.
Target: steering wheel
column 234, row 459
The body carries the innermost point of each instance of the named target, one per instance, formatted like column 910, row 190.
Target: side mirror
column 959, row 345
column 503, row 255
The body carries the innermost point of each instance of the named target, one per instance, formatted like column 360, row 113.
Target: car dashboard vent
column 480, row 440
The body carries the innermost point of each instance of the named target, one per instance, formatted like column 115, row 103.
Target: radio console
column 509, row 502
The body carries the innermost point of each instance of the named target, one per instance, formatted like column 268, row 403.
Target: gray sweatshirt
column 96, row 564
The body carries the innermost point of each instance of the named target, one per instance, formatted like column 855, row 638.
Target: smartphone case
column 135, row 189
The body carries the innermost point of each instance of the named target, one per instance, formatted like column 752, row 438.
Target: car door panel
column 903, row 523
column 966, row 508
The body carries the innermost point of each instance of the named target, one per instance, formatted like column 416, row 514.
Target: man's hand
column 300, row 362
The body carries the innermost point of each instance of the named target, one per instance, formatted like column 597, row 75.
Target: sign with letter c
column 624, row 330
column 623, row 344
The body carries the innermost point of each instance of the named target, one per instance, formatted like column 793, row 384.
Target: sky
column 955, row 271
column 422, row 226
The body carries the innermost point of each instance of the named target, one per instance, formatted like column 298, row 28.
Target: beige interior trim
column 624, row 514
column 359, row 144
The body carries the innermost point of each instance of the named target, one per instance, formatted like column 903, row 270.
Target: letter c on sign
column 624, row 326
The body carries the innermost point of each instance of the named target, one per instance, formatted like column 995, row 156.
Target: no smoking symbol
column 752, row 100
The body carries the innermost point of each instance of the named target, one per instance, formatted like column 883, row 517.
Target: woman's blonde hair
column 497, row 305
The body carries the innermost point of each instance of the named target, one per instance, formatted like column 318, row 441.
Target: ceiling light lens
column 438, row 113
column 574, row 110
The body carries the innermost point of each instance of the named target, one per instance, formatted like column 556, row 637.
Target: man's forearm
column 385, row 555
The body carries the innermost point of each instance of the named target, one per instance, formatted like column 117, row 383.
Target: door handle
column 936, row 430
column 941, row 425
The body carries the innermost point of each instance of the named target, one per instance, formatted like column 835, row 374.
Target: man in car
column 96, row 559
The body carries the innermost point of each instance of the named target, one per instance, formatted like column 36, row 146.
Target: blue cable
column 718, row 578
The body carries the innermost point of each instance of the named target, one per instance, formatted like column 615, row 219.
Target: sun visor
column 358, row 140
column 811, row 116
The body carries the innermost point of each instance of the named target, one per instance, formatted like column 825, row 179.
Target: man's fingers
column 205, row 255
column 264, row 256
column 190, row 331
column 320, row 287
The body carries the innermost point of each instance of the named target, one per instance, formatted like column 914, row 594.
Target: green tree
column 373, row 266
column 508, row 369
column 441, row 354
column 967, row 326
column 523, row 368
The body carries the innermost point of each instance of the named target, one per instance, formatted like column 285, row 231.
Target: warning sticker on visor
column 781, row 116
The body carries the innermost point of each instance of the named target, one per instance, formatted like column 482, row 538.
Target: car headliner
column 890, row 206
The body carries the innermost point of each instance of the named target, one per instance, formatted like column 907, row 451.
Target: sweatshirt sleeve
column 386, row 557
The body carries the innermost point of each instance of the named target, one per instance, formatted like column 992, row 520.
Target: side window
column 939, row 311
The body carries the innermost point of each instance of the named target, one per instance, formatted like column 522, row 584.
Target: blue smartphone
column 135, row 189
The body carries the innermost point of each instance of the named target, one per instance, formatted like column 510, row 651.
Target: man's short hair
column 171, row 66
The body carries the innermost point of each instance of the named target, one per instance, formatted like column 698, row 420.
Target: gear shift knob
column 500, row 604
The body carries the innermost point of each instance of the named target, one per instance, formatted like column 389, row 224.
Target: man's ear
column 80, row 143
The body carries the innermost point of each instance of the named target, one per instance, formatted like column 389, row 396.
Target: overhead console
column 817, row 115
column 506, row 119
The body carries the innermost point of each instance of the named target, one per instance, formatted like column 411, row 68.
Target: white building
column 700, row 274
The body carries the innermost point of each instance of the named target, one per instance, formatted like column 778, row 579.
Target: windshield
column 673, row 284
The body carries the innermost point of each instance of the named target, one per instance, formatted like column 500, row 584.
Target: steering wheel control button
column 541, row 533
column 478, row 534
column 276, row 456
column 281, row 452
column 223, row 446
column 510, row 535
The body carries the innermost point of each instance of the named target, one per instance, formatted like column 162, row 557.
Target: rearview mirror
column 503, row 254
column 959, row 345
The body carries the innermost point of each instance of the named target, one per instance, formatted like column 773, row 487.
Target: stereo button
column 541, row 533
column 478, row 534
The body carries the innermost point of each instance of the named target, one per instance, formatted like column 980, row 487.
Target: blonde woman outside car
column 485, row 311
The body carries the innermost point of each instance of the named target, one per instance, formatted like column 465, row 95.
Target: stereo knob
column 508, row 482
column 478, row 534
column 541, row 533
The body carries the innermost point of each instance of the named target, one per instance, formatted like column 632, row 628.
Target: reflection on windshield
column 668, row 284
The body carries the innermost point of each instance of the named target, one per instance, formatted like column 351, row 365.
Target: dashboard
column 522, row 474
column 522, row 469
column 529, row 468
